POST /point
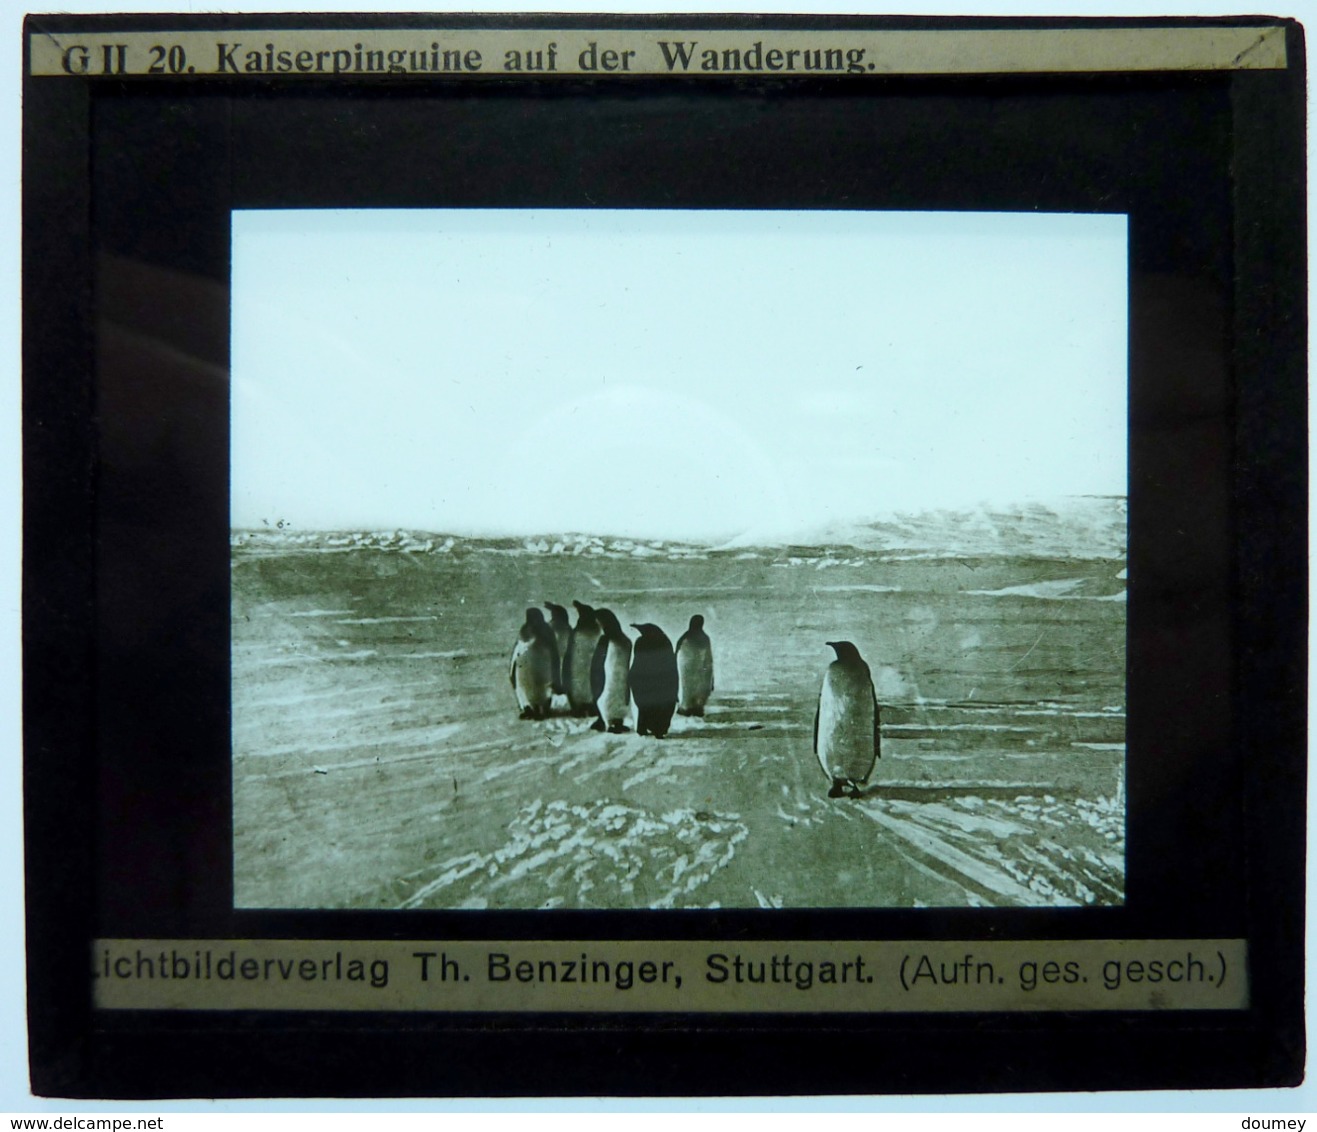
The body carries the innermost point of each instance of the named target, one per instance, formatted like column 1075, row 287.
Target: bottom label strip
column 759, row 976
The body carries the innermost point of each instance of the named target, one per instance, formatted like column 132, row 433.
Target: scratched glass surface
column 902, row 430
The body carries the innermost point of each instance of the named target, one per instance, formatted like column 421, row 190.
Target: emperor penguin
column 653, row 681
column 694, row 669
column 577, row 660
column 534, row 661
column 846, row 722
column 609, row 674
column 562, row 630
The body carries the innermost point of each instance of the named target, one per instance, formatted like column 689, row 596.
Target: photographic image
column 659, row 559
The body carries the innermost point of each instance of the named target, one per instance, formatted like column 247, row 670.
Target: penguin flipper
column 816, row 724
column 597, row 672
column 557, row 665
column 669, row 682
column 877, row 736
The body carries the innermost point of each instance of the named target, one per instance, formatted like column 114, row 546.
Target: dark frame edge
column 1270, row 342
column 58, row 603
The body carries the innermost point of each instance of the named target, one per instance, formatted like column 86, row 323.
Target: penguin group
column 602, row 672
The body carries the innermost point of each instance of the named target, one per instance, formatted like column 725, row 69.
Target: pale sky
column 678, row 374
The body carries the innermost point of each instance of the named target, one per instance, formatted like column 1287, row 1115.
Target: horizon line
column 695, row 540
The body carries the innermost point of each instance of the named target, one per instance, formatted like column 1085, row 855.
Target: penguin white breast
column 579, row 676
column 695, row 669
column 533, row 664
column 846, row 717
column 614, row 698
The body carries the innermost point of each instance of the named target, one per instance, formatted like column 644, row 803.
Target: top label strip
column 453, row 53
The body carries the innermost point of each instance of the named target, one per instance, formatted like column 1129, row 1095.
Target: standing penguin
column 562, row 630
column 609, row 674
column 577, row 660
column 694, row 669
column 653, row 681
column 534, row 662
column 846, row 723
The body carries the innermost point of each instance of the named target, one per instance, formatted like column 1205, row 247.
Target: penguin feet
column 618, row 729
column 527, row 713
column 838, row 789
column 684, row 711
column 598, row 725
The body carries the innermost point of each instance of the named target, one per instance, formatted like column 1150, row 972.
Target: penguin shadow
column 677, row 729
column 559, row 711
column 868, row 793
column 914, row 792
column 722, row 723
column 716, row 723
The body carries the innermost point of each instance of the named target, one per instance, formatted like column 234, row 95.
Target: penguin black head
column 534, row 616
column 697, row 623
column 844, row 650
column 583, row 610
column 557, row 612
column 608, row 621
column 652, row 637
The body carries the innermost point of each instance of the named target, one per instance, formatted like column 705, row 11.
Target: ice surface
column 379, row 762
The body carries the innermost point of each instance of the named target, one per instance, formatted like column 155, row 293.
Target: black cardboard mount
column 128, row 187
